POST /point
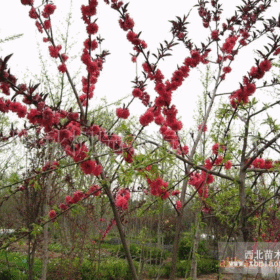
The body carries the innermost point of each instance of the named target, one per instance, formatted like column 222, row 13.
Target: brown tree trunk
column 183, row 193
column 195, row 248
column 121, row 233
column 177, row 238
column 45, row 251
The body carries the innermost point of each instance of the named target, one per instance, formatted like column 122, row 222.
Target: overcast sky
column 151, row 17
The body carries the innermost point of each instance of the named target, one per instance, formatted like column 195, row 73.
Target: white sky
column 151, row 17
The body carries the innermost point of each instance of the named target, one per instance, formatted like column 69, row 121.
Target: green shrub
column 17, row 266
column 204, row 266
column 185, row 247
column 111, row 269
column 5, row 275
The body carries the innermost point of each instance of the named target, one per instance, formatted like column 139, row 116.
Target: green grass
column 16, row 267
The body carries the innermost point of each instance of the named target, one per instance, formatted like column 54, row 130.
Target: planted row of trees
column 78, row 154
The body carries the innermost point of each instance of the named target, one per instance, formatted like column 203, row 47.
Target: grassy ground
column 14, row 265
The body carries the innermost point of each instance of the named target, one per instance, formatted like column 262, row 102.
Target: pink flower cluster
column 126, row 23
column 201, row 181
column 229, row 44
column 13, row 106
column 52, row 215
column 263, row 163
column 216, row 147
column 178, row 205
column 205, row 15
column 122, row 198
column 48, row 10
column 89, row 11
column 204, row 129
column 122, row 113
column 90, row 167
column 175, row 192
column 51, row 166
column 248, row 87
column 158, row 188
column 93, row 65
column 77, row 196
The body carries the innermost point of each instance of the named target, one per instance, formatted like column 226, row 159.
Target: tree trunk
column 195, row 248
column 121, row 233
column 45, row 251
column 177, row 235
column 31, row 256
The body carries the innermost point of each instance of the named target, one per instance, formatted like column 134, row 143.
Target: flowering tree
column 78, row 134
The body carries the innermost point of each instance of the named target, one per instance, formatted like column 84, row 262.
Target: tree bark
column 195, row 248
column 183, row 193
column 45, row 251
column 121, row 233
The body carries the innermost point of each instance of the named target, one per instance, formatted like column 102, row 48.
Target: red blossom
column 185, row 150
column 159, row 120
column 47, row 24
column 54, row 51
column 92, row 28
column 62, row 68
column 93, row 44
column 228, row 165
column 64, row 57
column 137, row 93
column 88, row 167
column 133, row 59
column 265, row 65
column 208, row 164
column 175, row 192
column 39, row 26
column 218, row 160
column 27, row 2
column 49, row 9
column 52, row 214
column 178, row 204
column 277, row 51
column 32, row 13
column 22, row 111
column 122, row 113
column 127, row 23
column 68, row 199
column 215, row 35
column 227, row 69
column 94, row 190
column 204, row 129
column 97, row 170
column 215, row 148
column 63, row 207
column 257, row 72
column 147, row 118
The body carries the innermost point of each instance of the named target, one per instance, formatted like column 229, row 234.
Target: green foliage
column 204, row 266
column 109, row 269
column 185, row 247
column 17, row 266
column 13, row 178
